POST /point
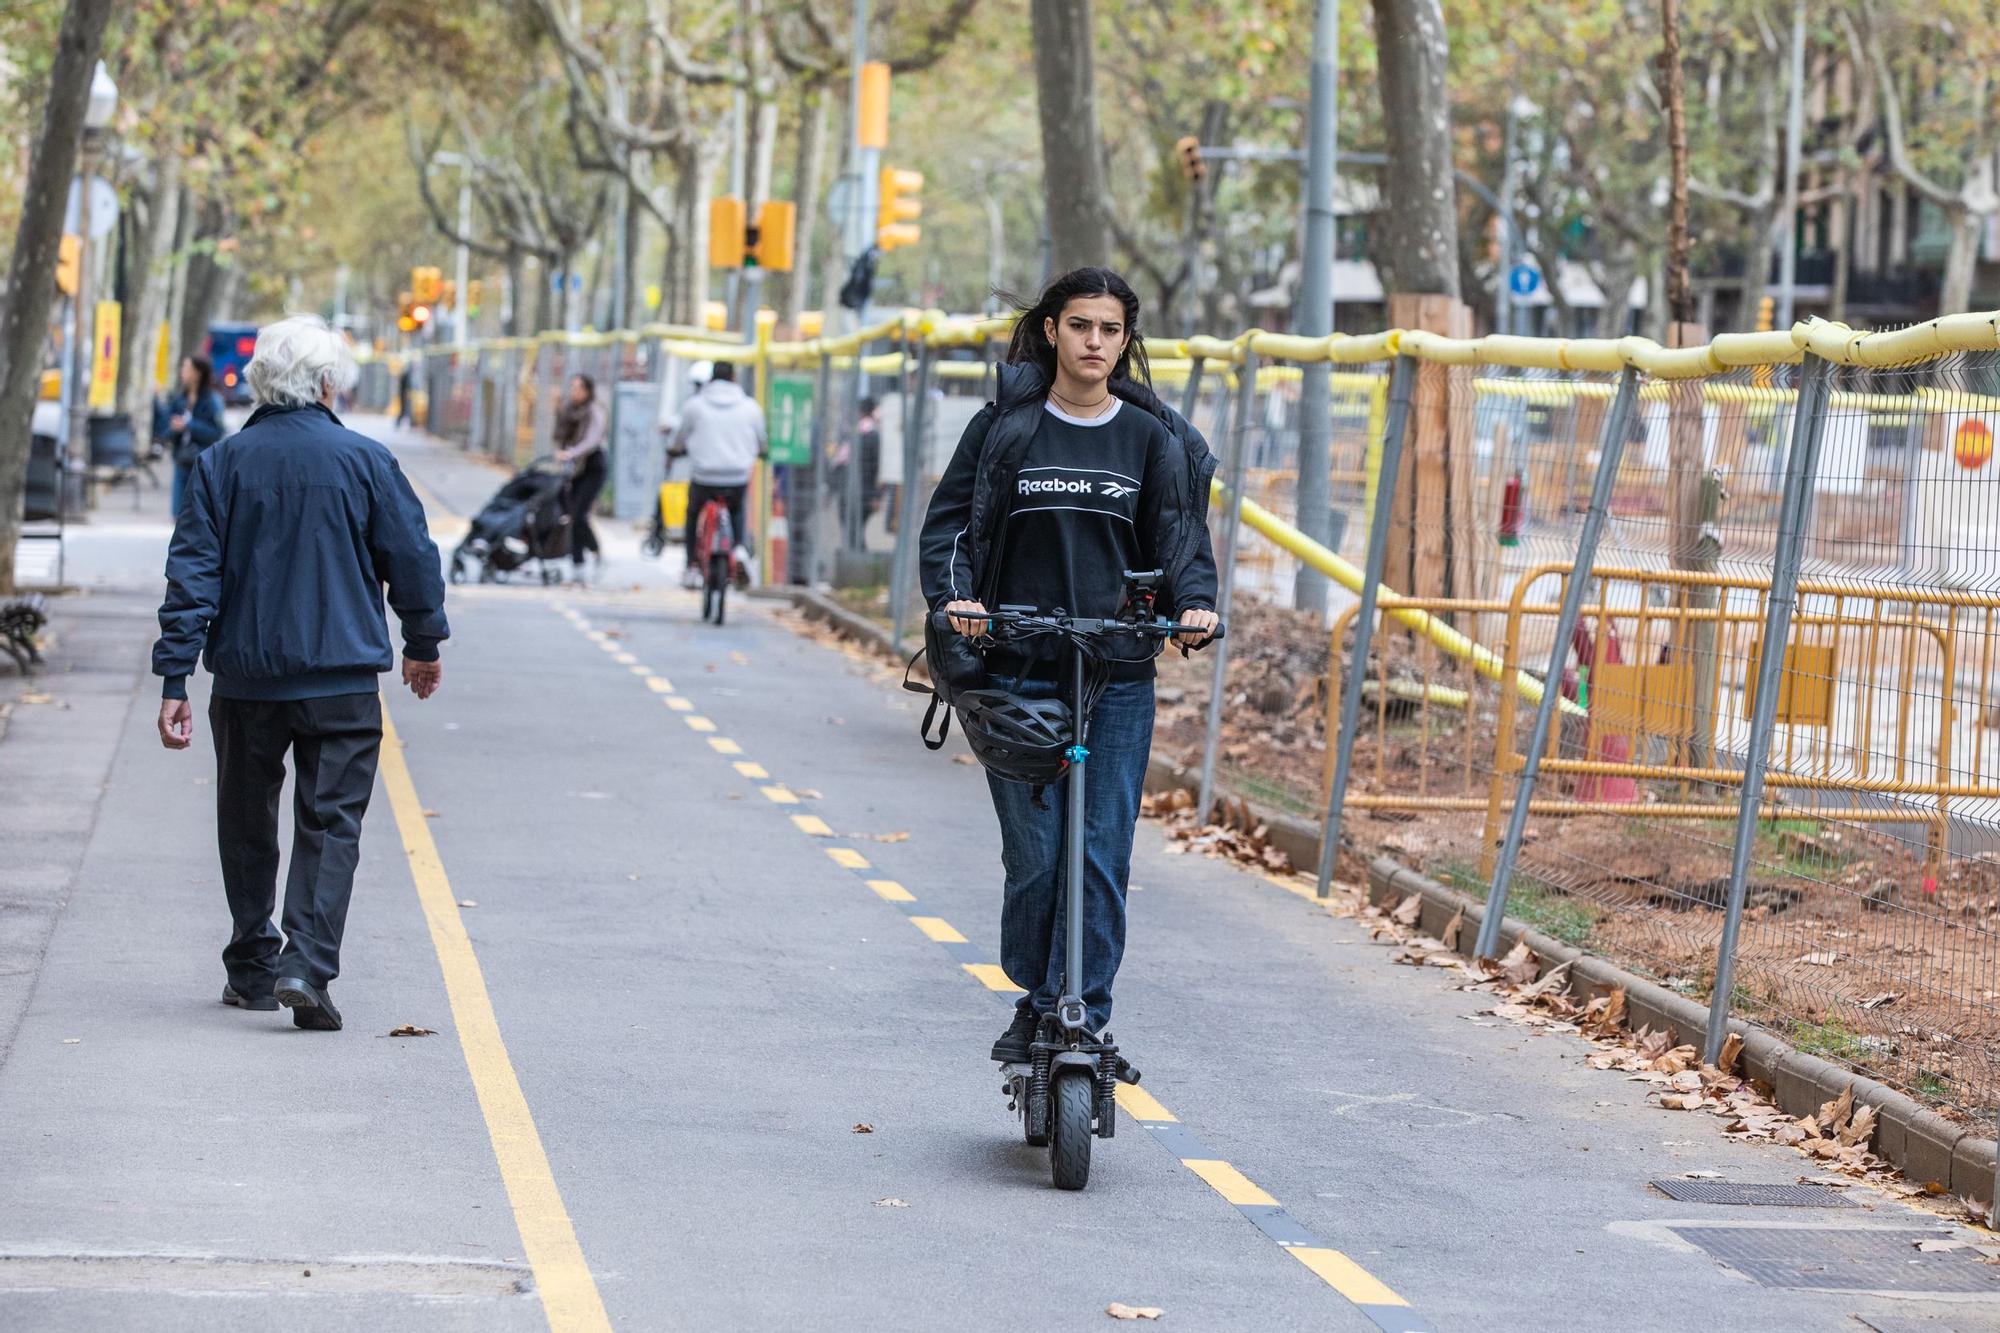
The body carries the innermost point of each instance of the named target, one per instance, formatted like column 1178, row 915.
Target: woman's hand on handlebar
column 1200, row 618
column 966, row 617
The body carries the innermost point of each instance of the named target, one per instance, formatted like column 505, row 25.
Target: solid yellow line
column 1142, row 1105
column 659, row 685
column 699, row 723
column 780, row 794
column 889, row 890
column 991, row 977
column 679, row 703
column 814, row 825
column 1226, row 1180
column 723, row 745
column 749, row 768
column 1345, row 1276
column 938, row 929
column 562, row 1277
column 848, row 858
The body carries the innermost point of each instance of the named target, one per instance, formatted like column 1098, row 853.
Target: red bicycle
column 715, row 546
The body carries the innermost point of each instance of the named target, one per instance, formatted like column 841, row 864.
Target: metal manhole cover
column 1845, row 1258
column 1767, row 1196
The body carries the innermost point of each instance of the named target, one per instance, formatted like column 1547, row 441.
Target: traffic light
column 1188, row 150
column 777, row 221
column 447, row 296
column 872, row 126
column 69, row 264
column 725, row 232
column 472, row 297
column 426, row 285
column 897, row 209
column 1767, row 309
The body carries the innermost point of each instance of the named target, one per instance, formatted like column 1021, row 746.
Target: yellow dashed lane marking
column 659, row 685
column 1231, row 1184
column 812, row 824
column 889, row 890
column 848, row 858
column 783, row 796
column 938, row 929
column 640, row 669
column 624, row 658
column 679, row 703
column 1345, row 1276
column 723, row 745
column 698, row 723
column 562, row 1276
column 991, row 977
column 750, row 769
column 1142, row 1105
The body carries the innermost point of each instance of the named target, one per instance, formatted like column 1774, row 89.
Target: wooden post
column 1694, row 508
column 1434, row 490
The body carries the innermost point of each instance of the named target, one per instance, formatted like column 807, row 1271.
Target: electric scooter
column 1067, row 1092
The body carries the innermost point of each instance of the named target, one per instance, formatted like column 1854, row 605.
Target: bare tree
column 1420, row 252
column 24, row 316
column 1072, row 149
column 1680, row 294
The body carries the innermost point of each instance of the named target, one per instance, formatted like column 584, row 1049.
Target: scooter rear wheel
column 1070, row 1101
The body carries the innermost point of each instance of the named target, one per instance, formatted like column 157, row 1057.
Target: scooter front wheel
column 1071, row 1099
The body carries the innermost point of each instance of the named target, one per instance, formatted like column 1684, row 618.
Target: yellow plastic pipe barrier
column 1484, row 660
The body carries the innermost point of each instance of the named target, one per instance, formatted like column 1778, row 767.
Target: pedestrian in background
column 289, row 531
column 406, row 385
column 192, row 420
column 579, row 439
column 868, row 446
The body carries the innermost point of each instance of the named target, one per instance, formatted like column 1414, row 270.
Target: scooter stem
column 1070, row 1009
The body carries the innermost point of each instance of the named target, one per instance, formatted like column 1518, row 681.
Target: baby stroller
column 526, row 520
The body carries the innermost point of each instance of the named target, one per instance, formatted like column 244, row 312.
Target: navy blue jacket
column 290, row 529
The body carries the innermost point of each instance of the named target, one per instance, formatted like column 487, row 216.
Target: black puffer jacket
column 970, row 504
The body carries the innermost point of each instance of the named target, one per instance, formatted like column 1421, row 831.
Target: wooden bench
column 21, row 619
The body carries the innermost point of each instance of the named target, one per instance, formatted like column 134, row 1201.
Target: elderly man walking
column 290, row 530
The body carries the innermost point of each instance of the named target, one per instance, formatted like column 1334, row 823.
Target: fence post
column 815, row 518
column 903, row 562
column 1801, row 466
column 1617, row 428
column 1395, row 427
column 1192, row 394
column 1232, row 526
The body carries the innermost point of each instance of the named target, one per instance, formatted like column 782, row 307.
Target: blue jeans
column 182, row 471
column 1031, row 850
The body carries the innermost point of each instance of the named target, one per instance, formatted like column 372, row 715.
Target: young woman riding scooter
column 1075, row 474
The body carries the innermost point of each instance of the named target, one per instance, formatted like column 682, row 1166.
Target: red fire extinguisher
column 1510, row 512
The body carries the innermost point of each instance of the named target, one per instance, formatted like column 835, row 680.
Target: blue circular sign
column 1524, row 279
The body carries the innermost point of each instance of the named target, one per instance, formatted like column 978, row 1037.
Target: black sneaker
column 1012, row 1048
column 237, row 999
column 311, row 1006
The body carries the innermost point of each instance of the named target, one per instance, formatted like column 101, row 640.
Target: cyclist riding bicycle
column 1076, row 473
column 721, row 431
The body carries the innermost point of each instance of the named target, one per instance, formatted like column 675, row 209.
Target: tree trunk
column 1955, row 288
column 24, row 318
column 1072, row 150
column 1756, row 270
column 1680, row 295
column 809, row 167
column 203, row 295
column 1419, row 253
column 184, row 220
column 153, row 245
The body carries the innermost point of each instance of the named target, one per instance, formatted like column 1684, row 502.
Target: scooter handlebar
column 1159, row 628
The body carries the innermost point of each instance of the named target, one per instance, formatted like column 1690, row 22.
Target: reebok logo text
column 1054, row 485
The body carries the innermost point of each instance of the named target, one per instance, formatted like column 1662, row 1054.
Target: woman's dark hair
column 1030, row 343
column 867, row 407
column 589, row 387
column 204, row 376
column 724, row 370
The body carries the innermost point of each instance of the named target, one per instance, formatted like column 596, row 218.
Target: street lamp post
column 446, row 158
column 97, row 115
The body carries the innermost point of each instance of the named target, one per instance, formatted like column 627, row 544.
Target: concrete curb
column 1918, row 1141
column 818, row 606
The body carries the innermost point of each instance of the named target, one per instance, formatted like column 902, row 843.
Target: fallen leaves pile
column 1839, row 1134
column 412, row 1030
column 1240, row 836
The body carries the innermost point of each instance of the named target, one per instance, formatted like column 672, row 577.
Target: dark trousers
column 584, row 488
column 334, row 743
column 1031, row 852
column 700, row 494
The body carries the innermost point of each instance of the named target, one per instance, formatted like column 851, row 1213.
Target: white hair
column 297, row 360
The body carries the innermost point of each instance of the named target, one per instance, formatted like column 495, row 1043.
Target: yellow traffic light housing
column 69, row 264
column 777, row 222
column 426, row 285
column 897, row 208
column 873, row 126
column 1188, row 149
column 726, row 219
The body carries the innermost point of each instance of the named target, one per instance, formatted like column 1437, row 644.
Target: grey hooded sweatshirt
column 722, row 429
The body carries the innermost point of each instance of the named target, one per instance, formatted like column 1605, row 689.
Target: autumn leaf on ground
column 1520, row 965
column 864, row 1129
column 468, row 902
column 1120, row 1310
column 430, row 814
column 411, row 1030
column 37, row 697
column 890, row 1203
column 1407, row 914
column 1732, row 1051
column 1452, row 928
column 963, row 759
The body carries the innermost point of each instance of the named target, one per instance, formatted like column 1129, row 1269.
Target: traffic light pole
column 461, row 290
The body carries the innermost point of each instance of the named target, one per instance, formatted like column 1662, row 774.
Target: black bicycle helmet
column 1018, row 740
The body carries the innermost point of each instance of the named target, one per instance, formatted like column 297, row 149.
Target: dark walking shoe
column 1012, row 1048
column 311, row 1006
column 232, row 996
